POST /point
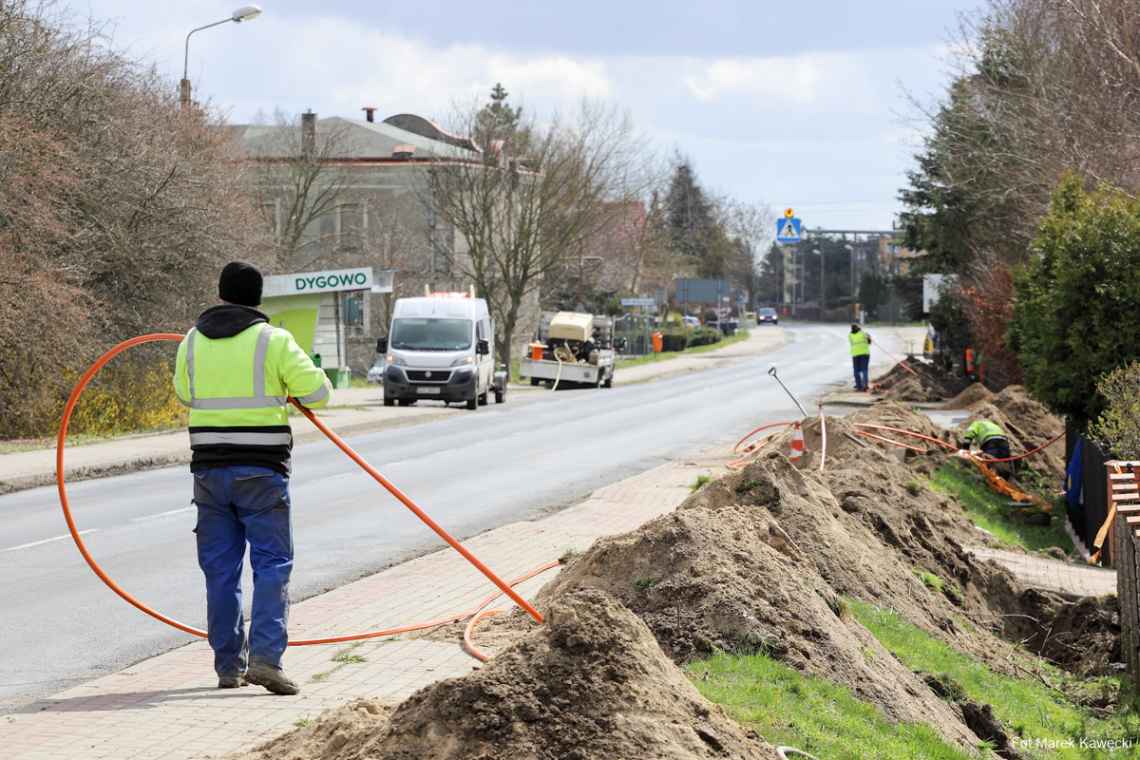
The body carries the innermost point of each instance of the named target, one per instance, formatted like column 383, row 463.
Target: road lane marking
column 167, row 513
column 46, row 541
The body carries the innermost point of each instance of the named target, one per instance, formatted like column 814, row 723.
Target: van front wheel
column 473, row 403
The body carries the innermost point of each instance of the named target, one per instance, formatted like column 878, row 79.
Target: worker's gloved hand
column 964, row 454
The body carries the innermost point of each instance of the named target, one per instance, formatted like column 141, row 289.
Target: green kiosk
column 319, row 308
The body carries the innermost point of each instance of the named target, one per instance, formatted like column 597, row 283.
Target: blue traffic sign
column 788, row 230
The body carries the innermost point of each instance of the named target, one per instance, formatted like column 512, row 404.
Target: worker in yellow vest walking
column 236, row 372
column 860, row 356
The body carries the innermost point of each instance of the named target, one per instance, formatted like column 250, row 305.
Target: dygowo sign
column 328, row 281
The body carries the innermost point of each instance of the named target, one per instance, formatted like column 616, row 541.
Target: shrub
column 1117, row 429
column 117, row 210
column 704, row 336
column 132, row 397
column 1075, row 315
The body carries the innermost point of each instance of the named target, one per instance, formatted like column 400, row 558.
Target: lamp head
column 246, row 13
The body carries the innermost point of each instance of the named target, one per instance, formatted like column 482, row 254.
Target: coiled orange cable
column 61, row 440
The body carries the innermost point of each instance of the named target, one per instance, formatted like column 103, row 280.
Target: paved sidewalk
column 167, row 707
column 1051, row 574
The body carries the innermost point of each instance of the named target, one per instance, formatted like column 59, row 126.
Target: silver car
column 376, row 371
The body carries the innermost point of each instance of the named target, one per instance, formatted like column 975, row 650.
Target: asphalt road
column 472, row 472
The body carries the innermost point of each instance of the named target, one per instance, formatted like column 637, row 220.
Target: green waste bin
column 340, row 377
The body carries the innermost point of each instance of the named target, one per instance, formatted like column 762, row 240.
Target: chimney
column 308, row 134
column 369, row 113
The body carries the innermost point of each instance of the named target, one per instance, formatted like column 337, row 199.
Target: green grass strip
column 812, row 714
column 992, row 511
column 1047, row 722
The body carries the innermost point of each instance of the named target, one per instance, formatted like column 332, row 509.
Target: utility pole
column 822, row 283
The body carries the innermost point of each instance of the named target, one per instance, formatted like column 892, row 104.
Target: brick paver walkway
column 1052, row 574
column 167, row 707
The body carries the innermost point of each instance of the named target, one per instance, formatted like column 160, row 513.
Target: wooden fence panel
column 1123, row 486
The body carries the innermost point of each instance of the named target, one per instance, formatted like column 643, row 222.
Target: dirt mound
column 342, row 733
column 847, row 441
column 759, row 561
column 1028, row 424
column 916, row 381
column 972, row 395
column 590, row 684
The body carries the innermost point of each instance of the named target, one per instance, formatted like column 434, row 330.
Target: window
column 416, row 334
column 351, row 231
column 352, row 309
column 327, row 227
column 269, row 212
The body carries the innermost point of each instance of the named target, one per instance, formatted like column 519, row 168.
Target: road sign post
column 789, row 229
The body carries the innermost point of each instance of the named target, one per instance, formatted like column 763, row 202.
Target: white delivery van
column 441, row 347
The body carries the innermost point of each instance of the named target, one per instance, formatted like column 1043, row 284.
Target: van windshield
column 767, row 312
column 431, row 334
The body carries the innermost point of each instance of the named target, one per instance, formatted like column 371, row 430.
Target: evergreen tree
column 770, row 285
column 691, row 224
column 496, row 122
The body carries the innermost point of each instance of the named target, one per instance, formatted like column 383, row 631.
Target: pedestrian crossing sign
column 788, row 230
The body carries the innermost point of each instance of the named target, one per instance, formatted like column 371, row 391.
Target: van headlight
column 395, row 360
column 464, row 361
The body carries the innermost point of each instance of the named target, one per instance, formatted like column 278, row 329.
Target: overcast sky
column 791, row 104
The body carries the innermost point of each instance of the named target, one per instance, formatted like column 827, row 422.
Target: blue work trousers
column 237, row 504
column 860, row 365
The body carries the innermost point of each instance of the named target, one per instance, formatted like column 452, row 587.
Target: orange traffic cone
column 797, row 451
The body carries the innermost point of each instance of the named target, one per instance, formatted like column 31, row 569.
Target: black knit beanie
column 240, row 283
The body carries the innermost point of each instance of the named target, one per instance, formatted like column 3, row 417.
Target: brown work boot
column 272, row 678
column 231, row 682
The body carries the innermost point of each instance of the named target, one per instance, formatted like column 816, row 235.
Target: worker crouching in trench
column 992, row 440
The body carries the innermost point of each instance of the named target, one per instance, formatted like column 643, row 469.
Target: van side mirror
column 482, row 347
column 382, row 345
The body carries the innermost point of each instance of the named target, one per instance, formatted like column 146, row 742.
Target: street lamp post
column 244, row 13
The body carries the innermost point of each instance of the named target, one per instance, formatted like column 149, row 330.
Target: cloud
column 790, row 80
column 809, row 126
column 346, row 66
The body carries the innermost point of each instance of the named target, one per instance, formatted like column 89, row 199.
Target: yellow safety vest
column 860, row 343
column 244, row 381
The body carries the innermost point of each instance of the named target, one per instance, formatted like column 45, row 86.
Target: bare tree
column 299, row 183
column 117, row 209
column 521, row 216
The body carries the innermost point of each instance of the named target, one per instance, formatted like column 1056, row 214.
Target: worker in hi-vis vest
column 236, row 372
column 860, row 356
column 991, row 439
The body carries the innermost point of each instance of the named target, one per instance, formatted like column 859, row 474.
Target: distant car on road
column 767, row 315
column 690, row 321
column 376, row 371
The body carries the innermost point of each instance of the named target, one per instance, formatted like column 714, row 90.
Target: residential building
column 341, row 192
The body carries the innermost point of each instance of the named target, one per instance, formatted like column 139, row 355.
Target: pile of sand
column 759, row 560
column 974, row 393
column 844, row 442
column 591, row 684
column 922, row 382
column 342, row 733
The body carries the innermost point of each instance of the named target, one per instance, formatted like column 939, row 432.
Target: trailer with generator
column 572, row 349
